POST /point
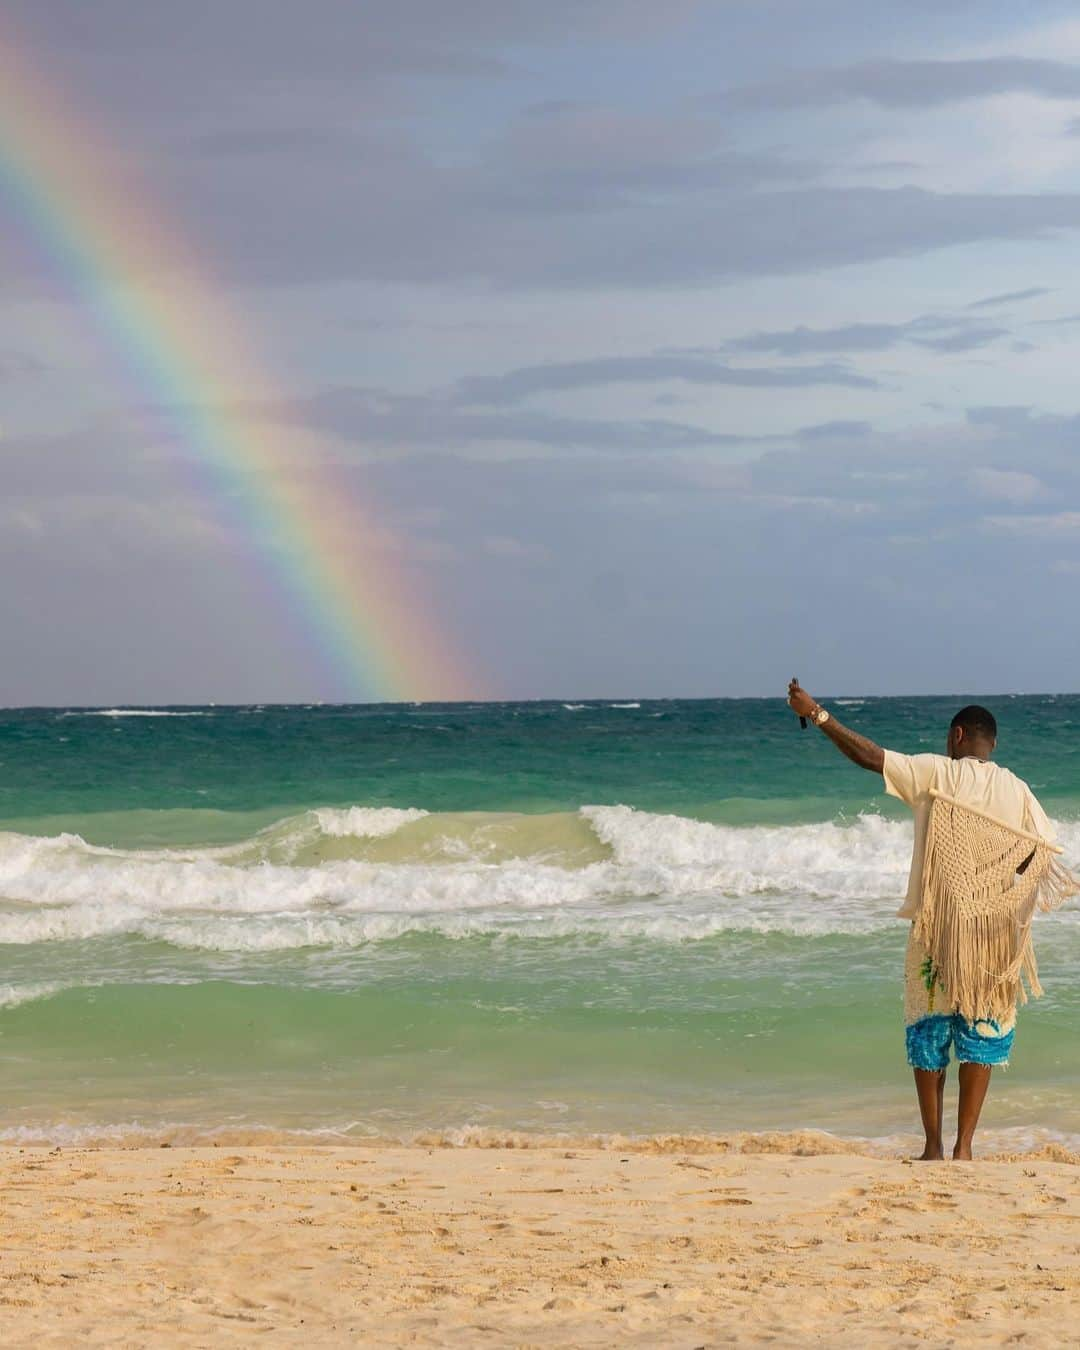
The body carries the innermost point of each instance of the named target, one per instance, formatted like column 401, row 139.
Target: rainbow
column 335, row 567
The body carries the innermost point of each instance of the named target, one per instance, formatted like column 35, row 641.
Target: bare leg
column 974, row 1080
column 930, row 1087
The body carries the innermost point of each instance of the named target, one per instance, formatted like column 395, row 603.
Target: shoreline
column 1002, row 1145
column 532, row 1246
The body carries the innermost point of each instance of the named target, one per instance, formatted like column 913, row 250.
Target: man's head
column 972, row 731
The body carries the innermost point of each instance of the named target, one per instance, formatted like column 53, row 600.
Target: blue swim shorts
column 980, row 1042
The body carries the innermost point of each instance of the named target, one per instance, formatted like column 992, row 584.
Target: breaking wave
column 133, row 712
column 345, row 877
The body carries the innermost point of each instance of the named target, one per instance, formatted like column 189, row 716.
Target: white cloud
column 1007, row 485
column 1058, row 40
column 837, row 506
column 112, row 522
column 1057, row 523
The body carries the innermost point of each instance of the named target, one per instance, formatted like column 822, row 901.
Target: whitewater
column 343, row 877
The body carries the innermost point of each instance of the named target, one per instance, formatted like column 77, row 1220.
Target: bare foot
column 962, row 1153
column 930, row 1155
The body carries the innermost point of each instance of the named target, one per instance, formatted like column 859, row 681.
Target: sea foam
column 371, row 822
column 606, row 872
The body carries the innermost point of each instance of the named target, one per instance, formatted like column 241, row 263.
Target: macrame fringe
column 976, row 913
column 1056, row 886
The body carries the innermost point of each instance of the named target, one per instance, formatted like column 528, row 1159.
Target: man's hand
column 800, row 700
column 858, row 749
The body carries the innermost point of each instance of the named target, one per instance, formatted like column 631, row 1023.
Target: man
column 964, row 776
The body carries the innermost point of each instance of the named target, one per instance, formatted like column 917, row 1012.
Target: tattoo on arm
column 859, row 749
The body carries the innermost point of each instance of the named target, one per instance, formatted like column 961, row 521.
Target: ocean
column 477, row 921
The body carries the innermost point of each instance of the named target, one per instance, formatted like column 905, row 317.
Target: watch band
column 819, row 716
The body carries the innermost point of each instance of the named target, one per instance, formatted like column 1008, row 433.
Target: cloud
column 108, row 525
column 1005, row 417
column 1009, row 485
column 285, row 183
column 1036, row 526
column 252, row 58
column 424, row 422
column 432, row 223
column 902, row 504
column 935, row 331
column 794, row 501
column 481, row 414
column 1010, row 297
column 834, row 430
column 590, row 156
column 804, row 341
column 910, row 83
column 939, row 475
column 515, row 385
column 586, row 200
column 964, row 341
column 554, row 537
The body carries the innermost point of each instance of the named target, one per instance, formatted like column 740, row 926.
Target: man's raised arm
column 858, row 749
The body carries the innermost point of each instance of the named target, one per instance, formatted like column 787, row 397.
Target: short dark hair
column 976, row 721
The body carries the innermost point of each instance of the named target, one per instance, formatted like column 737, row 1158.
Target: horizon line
column 309, row 704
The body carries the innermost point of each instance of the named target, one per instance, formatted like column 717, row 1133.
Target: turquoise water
column 546, row 917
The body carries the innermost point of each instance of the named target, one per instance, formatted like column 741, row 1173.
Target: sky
column 683, row 347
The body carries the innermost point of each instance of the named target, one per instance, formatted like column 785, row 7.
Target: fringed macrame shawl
column 976, row 913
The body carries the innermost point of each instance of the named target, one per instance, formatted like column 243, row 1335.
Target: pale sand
column 546, row 1246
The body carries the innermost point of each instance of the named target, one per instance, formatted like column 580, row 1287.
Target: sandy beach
column 695, row 1244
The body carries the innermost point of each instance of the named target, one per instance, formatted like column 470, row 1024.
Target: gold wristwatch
column 819, row 716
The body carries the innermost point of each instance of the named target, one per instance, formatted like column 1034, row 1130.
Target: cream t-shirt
column 980, row 784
